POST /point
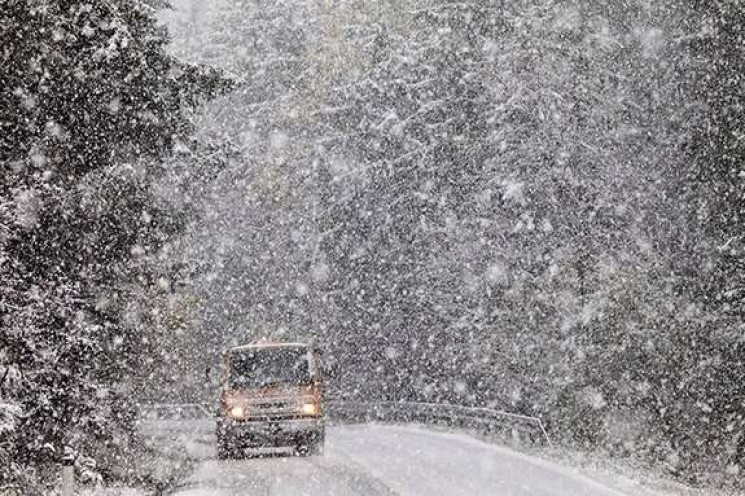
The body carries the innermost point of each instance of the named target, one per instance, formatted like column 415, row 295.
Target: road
column 389, row 460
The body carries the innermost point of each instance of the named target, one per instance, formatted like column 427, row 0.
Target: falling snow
column 533, row 208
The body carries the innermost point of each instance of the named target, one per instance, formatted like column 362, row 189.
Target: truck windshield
column 263, row 367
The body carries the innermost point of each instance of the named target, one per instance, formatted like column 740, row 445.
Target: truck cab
column 271, row 396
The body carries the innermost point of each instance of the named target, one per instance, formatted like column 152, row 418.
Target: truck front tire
column 313, row 445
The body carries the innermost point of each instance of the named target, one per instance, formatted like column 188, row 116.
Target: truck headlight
column 237, row 412
column 310, row 409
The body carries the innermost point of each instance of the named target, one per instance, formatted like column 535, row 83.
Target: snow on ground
column 399, row 460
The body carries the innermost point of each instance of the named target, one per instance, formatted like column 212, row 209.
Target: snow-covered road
column 391, row 460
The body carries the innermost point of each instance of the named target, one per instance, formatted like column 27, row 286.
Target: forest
column 532, row 205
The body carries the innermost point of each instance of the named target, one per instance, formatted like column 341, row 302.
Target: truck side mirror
column 331, row 368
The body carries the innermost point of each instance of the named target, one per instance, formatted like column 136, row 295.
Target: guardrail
column 509, row 426
column 486, row 420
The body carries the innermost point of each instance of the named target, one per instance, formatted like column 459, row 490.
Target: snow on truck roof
column 251, row 346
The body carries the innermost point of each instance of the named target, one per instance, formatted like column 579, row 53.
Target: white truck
column 271, row 396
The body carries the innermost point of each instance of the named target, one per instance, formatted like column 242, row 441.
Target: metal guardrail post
column 68, row 480
column 545, row 434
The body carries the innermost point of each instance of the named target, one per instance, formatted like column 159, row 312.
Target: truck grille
column 273, row 410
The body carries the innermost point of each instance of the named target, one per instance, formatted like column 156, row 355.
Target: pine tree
column 708, row 353
column 718, row 149
column 89, row 104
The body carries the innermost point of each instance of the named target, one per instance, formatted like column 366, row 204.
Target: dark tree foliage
column 717, row 151
column 707, row 358
column 89, row 103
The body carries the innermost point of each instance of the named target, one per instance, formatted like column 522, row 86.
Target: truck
column 271, row 396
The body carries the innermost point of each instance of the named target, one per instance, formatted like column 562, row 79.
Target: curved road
column 389, row 460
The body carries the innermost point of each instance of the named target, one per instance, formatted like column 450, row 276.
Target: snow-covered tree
column 89, row 104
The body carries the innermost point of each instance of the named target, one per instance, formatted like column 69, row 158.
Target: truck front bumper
column 270, row 433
